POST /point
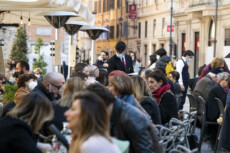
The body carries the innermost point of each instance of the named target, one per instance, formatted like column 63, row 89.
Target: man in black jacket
column 103, row 62
column 51, row 86
column 121, row 61
column 128, row 123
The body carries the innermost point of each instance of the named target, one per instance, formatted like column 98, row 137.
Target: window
column 99, row 6
column 163, row 26
column 111, row 34
column 111, row 4
column 118, row 3
column 95, row 7
column 118, row 31
column 154, row 47
column 127, row 6
column 211, row 34
column 146, row 29
column 183, row 46
column 139, row 30
column 108, row 5
column 227, row 37
column 154, row 27
column 104, row 5
column 125, row 29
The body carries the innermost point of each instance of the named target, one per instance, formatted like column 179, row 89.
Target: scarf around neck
column 158, row 93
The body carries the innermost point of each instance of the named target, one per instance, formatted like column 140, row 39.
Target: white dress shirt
column 179, row 68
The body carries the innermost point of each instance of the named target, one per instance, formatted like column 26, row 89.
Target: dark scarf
column 158, row 93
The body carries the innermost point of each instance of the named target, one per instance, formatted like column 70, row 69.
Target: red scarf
column 157, row 94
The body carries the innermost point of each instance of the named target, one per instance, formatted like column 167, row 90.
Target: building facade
column 111, row 14
column 193, row 22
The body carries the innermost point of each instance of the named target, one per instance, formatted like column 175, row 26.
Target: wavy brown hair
column 122, row 84
column 35, row 111
column 23, row 78
column 140, row 87
column 73, row 85
column 94, row 119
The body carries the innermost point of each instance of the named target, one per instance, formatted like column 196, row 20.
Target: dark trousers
column 182, row 101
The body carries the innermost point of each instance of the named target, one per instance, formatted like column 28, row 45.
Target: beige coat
column 20, row 94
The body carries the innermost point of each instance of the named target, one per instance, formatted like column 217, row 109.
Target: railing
column 193, row 3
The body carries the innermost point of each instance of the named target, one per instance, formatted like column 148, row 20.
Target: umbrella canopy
column 13, row 9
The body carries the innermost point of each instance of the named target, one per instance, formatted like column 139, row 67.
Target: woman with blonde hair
column 18, row 127
column 73, row 85
column 38, row 73
column 89, row 122
column 141, row 93
column 216, row 63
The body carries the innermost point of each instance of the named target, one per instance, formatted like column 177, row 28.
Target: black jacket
column 115, row 63
column 129, row 123
column 43, row 91
column 100, row 63
column 16, row 137
column 151, row 107
column 168, row 107
column 7, row 108
column 213, row 111
column 57, row 120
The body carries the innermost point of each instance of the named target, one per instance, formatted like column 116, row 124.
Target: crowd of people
column 115, row 98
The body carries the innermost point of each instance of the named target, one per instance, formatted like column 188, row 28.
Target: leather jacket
column 129, row 123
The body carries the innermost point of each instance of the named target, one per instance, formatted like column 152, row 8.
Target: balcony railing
column 193, row 3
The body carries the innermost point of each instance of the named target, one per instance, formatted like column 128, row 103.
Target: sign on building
column 169, row 29
column 132, row 11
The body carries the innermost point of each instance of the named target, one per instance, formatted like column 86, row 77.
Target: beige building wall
column 195, row 17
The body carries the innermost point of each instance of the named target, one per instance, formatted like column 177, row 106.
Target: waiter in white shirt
column 182, row 68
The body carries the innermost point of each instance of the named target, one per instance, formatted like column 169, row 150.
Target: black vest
column 185, row 74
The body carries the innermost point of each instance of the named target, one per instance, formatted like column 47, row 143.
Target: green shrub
column 9, row 92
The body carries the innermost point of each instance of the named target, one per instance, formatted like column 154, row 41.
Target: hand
column 220, row 120
column 106, row 65
column 182, row 87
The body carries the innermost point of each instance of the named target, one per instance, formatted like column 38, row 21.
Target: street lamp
column 216, row 16
column 57, row 19
column 171, row 16
column 72, row 28
column 94, row 33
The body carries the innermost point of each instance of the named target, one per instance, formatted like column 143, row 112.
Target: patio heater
column 57, row 20
column 94, row 33
column 72, row 28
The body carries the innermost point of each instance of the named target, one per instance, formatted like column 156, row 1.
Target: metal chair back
column 220, row 134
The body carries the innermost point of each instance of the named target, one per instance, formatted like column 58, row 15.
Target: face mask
column 37, row 75
column 158, row 57
column 32, row 85
column 119, row 55
column 189, row 60
column 133, row 58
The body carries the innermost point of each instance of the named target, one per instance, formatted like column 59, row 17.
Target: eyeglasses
column 58, row 87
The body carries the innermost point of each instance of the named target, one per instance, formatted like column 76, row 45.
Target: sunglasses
column 58, row 87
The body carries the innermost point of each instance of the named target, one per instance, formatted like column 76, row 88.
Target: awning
column 14, row 8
